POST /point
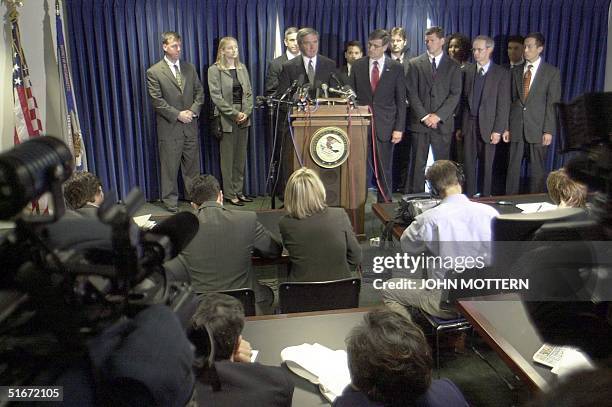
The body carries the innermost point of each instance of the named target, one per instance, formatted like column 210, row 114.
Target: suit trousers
column 440, row 144
column 382, row 166
column 233, row 148
column 536, row 156
column 183, row 150
column 478, row 163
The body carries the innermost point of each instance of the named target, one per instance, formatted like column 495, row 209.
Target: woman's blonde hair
column 563, row 189
column 221, row 62
column 304, row 194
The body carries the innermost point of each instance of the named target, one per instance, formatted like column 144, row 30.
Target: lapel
column 470, row 77
column 168, row 72
column 426, row 70
column 364, row 69
column 385, row 74
column 536, row 81
column 300, row 68
column 518, row 81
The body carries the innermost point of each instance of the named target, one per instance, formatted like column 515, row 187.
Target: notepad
column 536, row 207
column 144, row 222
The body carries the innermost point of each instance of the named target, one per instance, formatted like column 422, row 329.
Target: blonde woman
column 231, row 93
column 320, row 240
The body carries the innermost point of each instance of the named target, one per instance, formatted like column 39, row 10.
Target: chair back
column 319, row 296
column 246, row 296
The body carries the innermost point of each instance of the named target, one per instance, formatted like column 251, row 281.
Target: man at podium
column 379, row 83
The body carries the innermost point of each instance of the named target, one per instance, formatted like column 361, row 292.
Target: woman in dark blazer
column 231, row 93
column 320, row 240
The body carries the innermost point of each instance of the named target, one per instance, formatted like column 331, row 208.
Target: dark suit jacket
column 389, row 100
column 343, row 75
column 247, row 384
column 293, row 69
column 273, row 74
column 428, row 96
column 532, row 117
column 321, row 247
column 441, row 393
column 219, row 256
column 494, row 104
column 88, row 210
column 168, row 100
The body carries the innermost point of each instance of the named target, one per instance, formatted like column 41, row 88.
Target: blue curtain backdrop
column 113, row 42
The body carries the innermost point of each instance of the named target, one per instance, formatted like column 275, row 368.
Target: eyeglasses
column 375, row 46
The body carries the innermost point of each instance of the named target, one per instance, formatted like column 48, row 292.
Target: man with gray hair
column 309, row 67
column 485, row 106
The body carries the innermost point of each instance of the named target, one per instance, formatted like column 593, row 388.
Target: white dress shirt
column 534, row 69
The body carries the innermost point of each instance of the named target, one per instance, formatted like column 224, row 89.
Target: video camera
column 65, row 278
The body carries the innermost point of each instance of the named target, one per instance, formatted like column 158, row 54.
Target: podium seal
column 329, row 147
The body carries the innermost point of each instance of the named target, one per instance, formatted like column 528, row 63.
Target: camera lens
column 27, row 171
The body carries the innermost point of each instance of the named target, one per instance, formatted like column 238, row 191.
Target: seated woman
column 564, row 191
column 320, row 240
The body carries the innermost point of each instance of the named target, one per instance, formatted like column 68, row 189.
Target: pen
column 539, row 207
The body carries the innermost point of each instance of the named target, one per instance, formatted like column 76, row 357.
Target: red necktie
column 375, row 76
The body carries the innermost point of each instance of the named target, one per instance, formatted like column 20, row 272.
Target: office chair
column 319, row 296
column 246, row 296
column 441, row 326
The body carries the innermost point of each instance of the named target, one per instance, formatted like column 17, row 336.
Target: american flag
column 27, row 117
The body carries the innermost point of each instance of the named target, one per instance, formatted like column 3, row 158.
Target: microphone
column 349, row 91
column 317, row 89
column 325, row 87
column 180, row 229
column 340, row 92
column 334, row 77
column 290, row 89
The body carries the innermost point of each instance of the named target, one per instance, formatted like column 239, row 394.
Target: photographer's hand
column 244, row 351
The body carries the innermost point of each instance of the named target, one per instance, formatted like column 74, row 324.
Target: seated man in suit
column 83, row 193
column 219, row 256
column 241, row 380
column 454, row 229
column 390, row 364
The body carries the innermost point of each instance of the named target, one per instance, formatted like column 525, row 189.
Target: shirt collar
column 210, row 204
column 455, row 198
column 485, row 68
column 438, row 58
column 535, row 65
column 314, row 61
column 171, row 64
column 290, row 56
column 522, row 61
column 381, row 61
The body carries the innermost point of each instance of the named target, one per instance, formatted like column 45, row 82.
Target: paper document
column 144, row 222
column 562, row 359
column 319, row 365
column 536, row 207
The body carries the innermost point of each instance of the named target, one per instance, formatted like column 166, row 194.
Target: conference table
column 503, row 322
column 269, row 334
column 504, row 204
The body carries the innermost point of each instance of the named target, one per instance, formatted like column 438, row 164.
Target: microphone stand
column 271, row 103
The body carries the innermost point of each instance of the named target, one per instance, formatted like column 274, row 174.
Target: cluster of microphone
column 300, row 91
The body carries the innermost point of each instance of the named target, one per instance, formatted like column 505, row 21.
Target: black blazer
column 389, row 100
column 343, row 75
column 428, row 96
column 532, row 117
column 495, row 101
column 273, row 74
column 293, row 69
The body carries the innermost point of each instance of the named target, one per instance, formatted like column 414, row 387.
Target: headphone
column 460, row 179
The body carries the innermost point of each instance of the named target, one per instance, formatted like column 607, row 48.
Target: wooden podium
column 332, row 140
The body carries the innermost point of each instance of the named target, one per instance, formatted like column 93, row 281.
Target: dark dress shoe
column 234, row 201
column 243, row 198
column 172, row 209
